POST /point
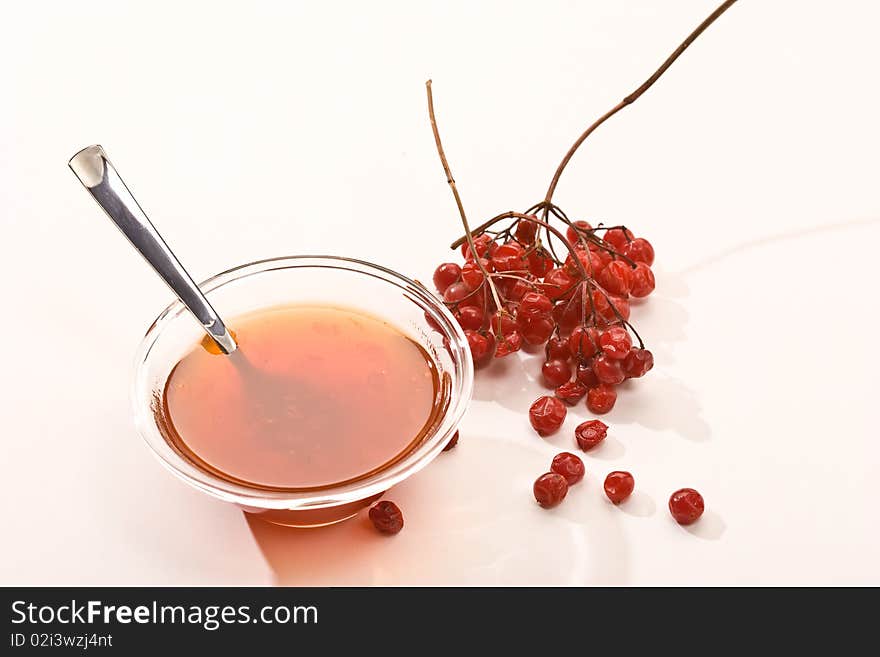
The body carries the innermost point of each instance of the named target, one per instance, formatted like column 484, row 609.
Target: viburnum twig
column 631, row 98
column 452, row 186
column 578, row 308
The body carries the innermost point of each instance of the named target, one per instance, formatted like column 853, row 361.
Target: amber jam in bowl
column 175, row 382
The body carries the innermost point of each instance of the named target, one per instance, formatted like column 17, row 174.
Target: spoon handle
column 98, row 176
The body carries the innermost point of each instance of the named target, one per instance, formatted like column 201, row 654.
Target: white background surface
column 298, row 128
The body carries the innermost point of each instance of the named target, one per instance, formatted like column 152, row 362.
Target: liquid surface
column 314, row 396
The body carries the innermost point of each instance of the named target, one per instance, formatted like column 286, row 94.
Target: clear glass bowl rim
column 460, row 393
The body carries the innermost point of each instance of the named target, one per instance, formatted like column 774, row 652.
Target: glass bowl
column 311, row 280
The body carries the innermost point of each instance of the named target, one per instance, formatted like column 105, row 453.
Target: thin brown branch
column 533, row 219
column 590, row 235
column 631, row 98
column 452, row 186
column 482, row 228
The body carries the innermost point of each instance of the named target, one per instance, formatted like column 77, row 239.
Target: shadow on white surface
column 710, row 526
column 512, row 382
column 169, row 530
column 466, row 524
column 780, row 237
column 639, row 505
column 661, row 320
column 609, row 449
column 662, row 404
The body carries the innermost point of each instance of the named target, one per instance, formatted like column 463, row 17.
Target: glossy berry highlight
column 591, row 433
column 686, row 506
column 550, row 489
column 386, row 517
column 546, row 415
column 570, row 466
column 619, row 485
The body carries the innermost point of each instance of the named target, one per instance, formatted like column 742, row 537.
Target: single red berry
column 686, row 506
column 572, row 235
column 585, row 375
column 640, row 250
column 509, row 257
column 509, row 248
column 518, row 289
column 622, row 307
column 471, row 274
column 470, row 317
column 535, row 330
column 546, row 415
column 618, row 239
column 478, row 298
column 611, row 309
column 568, row 314
column 539, row 263
column 445, row 275
column 482, row 347
column 558, row 283
column 601, row 399
column 452, row 442
column 569, row 466
column 591, row 261
column 601, row 305
column 590, row 433
column 638, row 362
column 583, row 341
column 604, row 256
column 456, row 292
column 550, row 489
column 484, row 244
column 386, row 517
column 619, row 485
column 557, row 348
column 570, row 265
column 508, row 343
column 556, row 372
column 616, row 278
column 535, row 304
column 503, row 323
column 608, row 370
column 503, row 286
column 525, row 231
column 616, row 343
column 571, row 392
column 642, row 281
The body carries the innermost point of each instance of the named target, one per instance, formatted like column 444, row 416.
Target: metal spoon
column 102, row 181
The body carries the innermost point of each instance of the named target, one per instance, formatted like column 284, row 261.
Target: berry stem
column 559, row 214
column 590, row 235
column 510, row 214
column 491, row 222
column 631, row 98
column 532, row 284
column 452, row 186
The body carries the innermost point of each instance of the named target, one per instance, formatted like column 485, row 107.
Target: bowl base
column 283, row 523
column 311, row 518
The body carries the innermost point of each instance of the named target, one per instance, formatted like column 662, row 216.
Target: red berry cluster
column 513, row 292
